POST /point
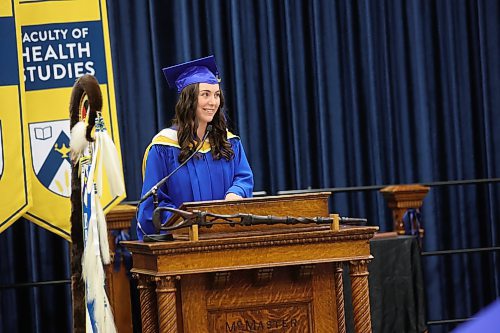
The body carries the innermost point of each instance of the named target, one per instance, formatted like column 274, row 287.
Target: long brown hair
column 187, row 126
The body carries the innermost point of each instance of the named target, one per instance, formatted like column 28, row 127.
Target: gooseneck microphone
column 155, row 188
column 154, row 192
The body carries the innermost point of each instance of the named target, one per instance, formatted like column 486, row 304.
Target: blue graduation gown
column 201, row 179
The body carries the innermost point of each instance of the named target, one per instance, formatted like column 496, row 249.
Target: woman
column 219, row 171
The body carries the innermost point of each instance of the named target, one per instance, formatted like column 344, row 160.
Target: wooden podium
column 265, row 278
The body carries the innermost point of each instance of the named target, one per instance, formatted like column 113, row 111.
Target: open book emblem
column 50, row 155
column 43, row 133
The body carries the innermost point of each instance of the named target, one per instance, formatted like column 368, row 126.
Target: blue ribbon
column 121, row 253
column 412, row 221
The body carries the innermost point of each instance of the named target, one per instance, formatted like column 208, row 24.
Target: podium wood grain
column 265, row 280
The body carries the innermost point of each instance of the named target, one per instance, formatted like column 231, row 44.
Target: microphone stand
column 154, row 190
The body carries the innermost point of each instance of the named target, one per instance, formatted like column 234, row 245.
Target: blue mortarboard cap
column 203, row 70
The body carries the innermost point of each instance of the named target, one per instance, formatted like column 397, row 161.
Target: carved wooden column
column 400, row 198
column 339, row 295
column 360, row 296
column 147, row 298
column 167, row 308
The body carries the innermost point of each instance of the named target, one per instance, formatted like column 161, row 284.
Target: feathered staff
column 91, row 149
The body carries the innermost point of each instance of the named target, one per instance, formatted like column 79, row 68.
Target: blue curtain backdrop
column 29, row 253
column 334, row 94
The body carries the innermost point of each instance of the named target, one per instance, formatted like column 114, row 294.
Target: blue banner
column 8, row 54
column 55, row 55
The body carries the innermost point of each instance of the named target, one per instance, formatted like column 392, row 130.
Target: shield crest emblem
column 50, row 155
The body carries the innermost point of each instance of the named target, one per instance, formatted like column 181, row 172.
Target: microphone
column 153, row 192
column 155, row 188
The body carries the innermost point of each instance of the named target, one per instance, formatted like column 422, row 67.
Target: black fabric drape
column 397, row 296
column 341, row 93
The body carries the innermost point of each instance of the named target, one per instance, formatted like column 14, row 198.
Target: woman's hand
column 231, row 196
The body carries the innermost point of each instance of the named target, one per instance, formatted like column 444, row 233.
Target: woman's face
column 208, row 102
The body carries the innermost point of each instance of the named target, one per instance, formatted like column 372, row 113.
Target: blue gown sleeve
column 243, row 176
column 154, row 172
